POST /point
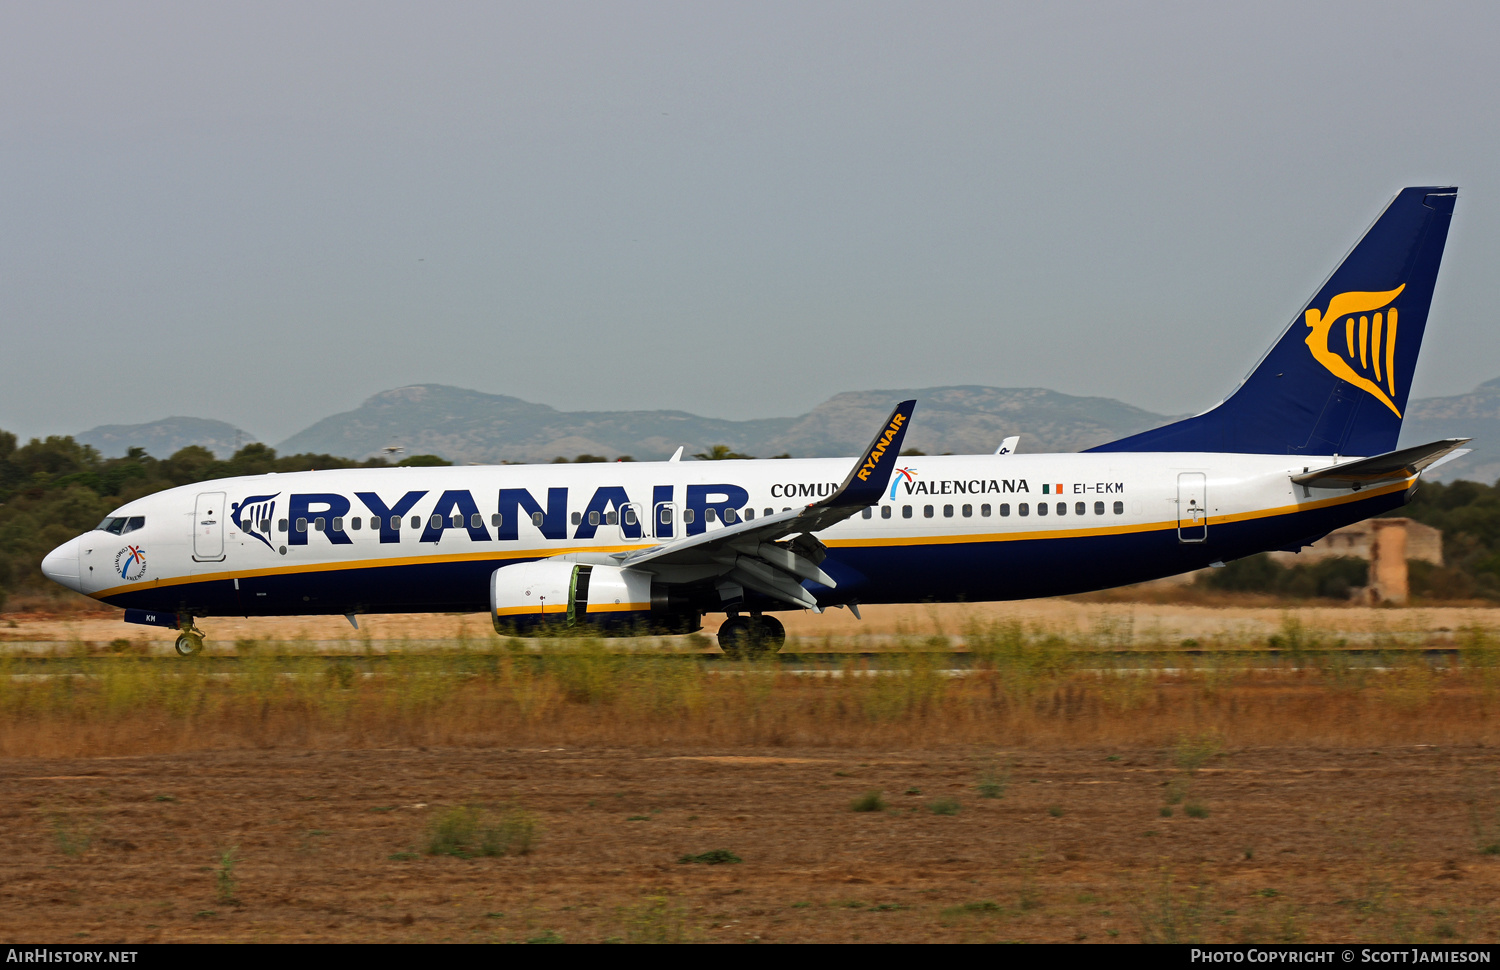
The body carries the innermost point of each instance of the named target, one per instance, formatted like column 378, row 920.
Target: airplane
column 1306, row 444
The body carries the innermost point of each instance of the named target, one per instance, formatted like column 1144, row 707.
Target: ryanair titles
column 878, row 452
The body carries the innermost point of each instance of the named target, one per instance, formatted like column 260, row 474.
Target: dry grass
column 1028, row 690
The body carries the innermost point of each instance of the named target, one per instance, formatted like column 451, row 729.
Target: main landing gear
column 190, row 641
column 748, row 637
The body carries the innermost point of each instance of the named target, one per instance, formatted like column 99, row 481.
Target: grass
column 1027, row 684
column 468, row 831
column 944, row 806
column 224, row 878
column 870, row 801
column 713, row 857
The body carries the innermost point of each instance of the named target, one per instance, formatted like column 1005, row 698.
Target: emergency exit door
column 1192, row 507
column 208, row 527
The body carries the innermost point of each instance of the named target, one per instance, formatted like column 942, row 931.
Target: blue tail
column 1336, row 382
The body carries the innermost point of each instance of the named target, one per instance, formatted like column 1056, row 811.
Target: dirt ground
column 1347, row 844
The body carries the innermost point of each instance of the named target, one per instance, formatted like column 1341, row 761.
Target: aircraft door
column 1192, row 507
column 631, row 527
column 208, row 527
column 663, row 520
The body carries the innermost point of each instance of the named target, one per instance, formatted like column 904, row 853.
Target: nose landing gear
column 746, row 638
column 190, row 641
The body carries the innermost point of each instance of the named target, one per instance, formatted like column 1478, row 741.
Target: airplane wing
column 1394, row 466
column 752, row 554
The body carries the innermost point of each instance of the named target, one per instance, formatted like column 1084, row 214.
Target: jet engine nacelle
column 608, row 599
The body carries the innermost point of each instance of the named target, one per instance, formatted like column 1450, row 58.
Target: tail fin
column 1336, row 382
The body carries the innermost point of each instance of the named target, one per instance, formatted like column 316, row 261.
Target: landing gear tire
column 189, row 645
column 745, row 639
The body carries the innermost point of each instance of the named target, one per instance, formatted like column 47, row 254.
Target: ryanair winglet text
column 878, row 452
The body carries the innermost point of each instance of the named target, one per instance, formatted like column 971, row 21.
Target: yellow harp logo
column 1362, row 329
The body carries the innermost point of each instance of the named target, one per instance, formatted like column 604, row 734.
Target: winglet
column 868, row 479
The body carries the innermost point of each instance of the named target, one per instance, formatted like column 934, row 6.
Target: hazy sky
column 266, row 212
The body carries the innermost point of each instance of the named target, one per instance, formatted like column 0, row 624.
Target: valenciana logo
column 130, row 563
column 1361, row 327
column 908, row 475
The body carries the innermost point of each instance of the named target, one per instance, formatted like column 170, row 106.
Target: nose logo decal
column 253, row 516
column 1355, row 340
column 130, row 563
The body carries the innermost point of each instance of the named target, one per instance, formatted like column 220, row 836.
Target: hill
column 465, row 425
column 1474, row 415
column 165, row 437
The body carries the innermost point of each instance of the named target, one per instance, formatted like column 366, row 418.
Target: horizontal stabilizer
column 1395, row 466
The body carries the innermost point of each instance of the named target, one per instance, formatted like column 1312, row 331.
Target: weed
column 993, row 782
column 163, row 798
column 73, row 836
column 713, row 857
column 403, row 856
column 1167, row 916
column 1267, row 893
column 914, row 791
column 982, row 906
column 637, row 818
column 943, row 806
column 656, row 920
column 546, row 936
column 1166, row 811
column 224, row 878
column 870, row 801
column 1055, row 811
column 1193, row 751
column 384, row 808
column 467, row 831
column 801, row 905
column 1195, row 810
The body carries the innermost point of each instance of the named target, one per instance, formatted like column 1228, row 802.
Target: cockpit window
column 136, row 522
column 111, row 525
column 121, row 524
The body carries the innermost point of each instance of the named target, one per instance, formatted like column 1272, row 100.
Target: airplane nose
column 61, row 564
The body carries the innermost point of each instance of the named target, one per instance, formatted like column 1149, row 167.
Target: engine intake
column 608, row 599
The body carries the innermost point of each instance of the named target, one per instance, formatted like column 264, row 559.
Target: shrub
column 713, row 857
column 467, row 831
column 870, row 801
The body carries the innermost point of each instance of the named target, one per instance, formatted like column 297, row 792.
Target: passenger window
column 319, row 524
column 281, row 525
column 749, row 515
column 1041, row 508
column 476, row 521
column 610, row 518
column 301, row 525
column 730, row 516
column 867, row 513
column 687, row 516
column 457, row 521
column 664, row 515
column 1079, row 508
column 630, row 516
column 769, row 512
column 984, row 510
column 537, row 519
column 1004, row 510
column 906, row 511
column 578, row 518
column 338, row 523
column 968, row 511
column 395, row 523
column 416, row 522
column 356, row 523
column 497, row 520
column 710, row 515
column 1062, row 508
column 926, row 511
column 885, row 511
column 436, row 521
column 1098, row 508
column 1119, row 508
column 593, row 518
column 265, row 526
column 947, row 511
column 1023, row 509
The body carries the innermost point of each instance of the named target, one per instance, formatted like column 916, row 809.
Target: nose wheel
column 745, row 638
column 190, row 641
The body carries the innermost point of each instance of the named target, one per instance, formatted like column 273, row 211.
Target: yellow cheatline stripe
column 1114, row 530
column 325, row 567
column 618, row 607
column 519, row 610
column 321, row 567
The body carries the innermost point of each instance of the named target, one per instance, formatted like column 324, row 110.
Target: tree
column 721, row 453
